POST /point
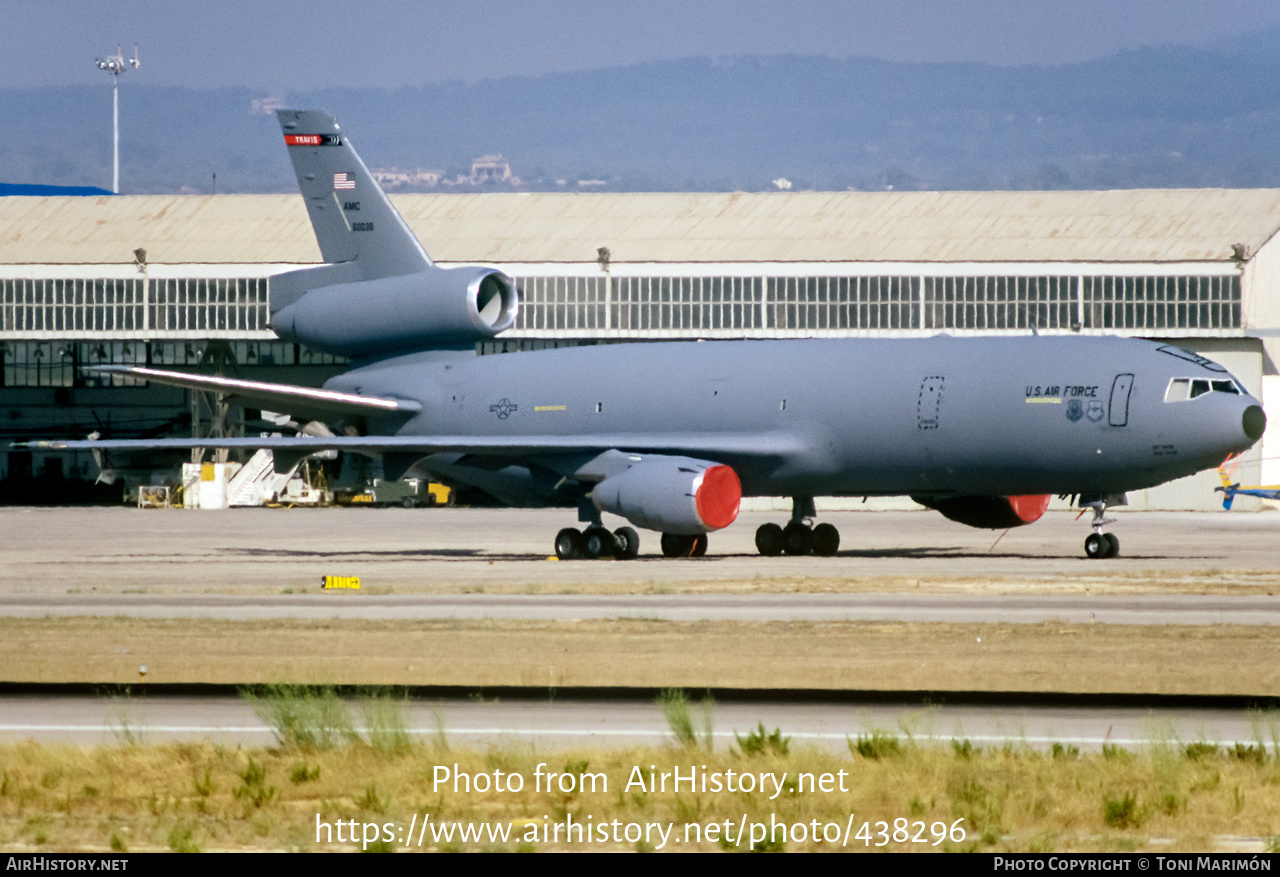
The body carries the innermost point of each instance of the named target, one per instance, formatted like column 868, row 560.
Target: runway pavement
column 565, row 723
column 1149, row 609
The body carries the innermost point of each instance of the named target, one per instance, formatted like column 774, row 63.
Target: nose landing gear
column 1099, row 545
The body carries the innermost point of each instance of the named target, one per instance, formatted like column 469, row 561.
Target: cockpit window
column 1177, row 391
column 1182, row 389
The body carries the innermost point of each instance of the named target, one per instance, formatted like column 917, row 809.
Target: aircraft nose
column 1254, row 422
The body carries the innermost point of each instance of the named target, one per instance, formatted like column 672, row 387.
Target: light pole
column 115, row 66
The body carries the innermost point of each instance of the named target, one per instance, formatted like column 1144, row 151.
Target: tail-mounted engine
column 675, row 495
column 430, row 308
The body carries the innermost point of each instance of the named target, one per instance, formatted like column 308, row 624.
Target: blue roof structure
column 38, row 190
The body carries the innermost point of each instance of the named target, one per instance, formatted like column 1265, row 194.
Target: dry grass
column 200, row 796
column 653, row 654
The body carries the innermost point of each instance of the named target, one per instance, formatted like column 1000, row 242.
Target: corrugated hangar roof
column 1143, row 225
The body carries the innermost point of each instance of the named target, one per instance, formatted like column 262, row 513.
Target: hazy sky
column 277, row 45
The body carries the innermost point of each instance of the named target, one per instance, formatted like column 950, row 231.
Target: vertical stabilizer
column 352, row 217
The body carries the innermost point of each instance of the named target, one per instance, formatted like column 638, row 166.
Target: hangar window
column 208, row 304
column 559, row 303
column 717, row 305
column 1210, row 302
column 684, row 306
column 115, row 306
column 999, row 302
column 842, row 303
column 75, row 304
column 698, row 304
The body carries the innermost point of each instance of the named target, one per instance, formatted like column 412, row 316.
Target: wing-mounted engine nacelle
column 435, row 307
column 676, row 495
column 989, row 512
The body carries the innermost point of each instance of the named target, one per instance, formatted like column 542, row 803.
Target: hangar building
column 177, row 281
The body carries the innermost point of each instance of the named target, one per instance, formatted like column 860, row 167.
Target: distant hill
column 1179, row 117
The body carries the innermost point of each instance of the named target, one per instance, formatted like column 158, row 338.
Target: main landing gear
column 798, row 537
column 674, row 545
column 596, row 541
column 1099, row 545
column 622, row 544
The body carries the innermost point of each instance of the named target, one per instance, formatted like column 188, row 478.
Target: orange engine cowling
column 990, row 512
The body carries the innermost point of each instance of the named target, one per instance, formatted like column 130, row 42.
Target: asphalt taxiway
column 254, row 565
column 118, row 552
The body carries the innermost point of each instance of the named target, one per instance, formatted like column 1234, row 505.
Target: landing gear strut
column 798, row 537
column 1099, row 545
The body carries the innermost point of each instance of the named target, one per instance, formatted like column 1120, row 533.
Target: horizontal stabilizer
column 304, row 401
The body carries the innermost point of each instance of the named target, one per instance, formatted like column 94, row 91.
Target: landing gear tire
column 769, row 540
column 826, row 540
column 1098, row 546
column 569, row 544
column 1114, row 542
column 699, row 546
column 626, row 544
column 797, row 539
column 597, row 542
column 674, row 545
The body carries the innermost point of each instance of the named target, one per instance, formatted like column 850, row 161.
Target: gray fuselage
column 933, row 416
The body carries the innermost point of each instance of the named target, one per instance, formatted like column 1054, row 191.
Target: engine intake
column 435, row 307
column 675, row 495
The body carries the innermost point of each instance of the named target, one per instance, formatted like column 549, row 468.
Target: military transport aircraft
column 671, row 436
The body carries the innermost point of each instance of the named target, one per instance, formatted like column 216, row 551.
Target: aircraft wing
column 309, row 401
column 305, row 401
column 713, row 444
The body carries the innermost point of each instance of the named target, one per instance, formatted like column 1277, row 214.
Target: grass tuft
column 182, row 839
column 302, row 716
column 255, row 790
column 1122, row 812
column 1250, row 752
column 876, row 745
column 123, row 718
column 1065, row 753
column 372, row 801
column 1197, row 750
column 1112, row 752
column 679, row 712
column 386, row 727
column 205, row 785
column 762, row 742
column 301, row 772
